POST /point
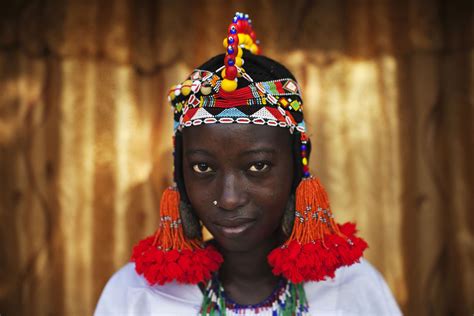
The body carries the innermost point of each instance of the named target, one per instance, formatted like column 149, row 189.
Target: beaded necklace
column 287, row 299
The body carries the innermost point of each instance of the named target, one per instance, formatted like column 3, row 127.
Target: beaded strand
column 304, row 155
column 287, row 299
column 240, row 35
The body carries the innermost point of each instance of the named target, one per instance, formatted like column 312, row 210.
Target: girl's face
column 248, row 170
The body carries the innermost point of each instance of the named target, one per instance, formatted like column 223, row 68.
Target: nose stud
column 214, row 202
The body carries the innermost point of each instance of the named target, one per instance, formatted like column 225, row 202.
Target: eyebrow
column 196, row 152
column 258, row 151
column 191, row 152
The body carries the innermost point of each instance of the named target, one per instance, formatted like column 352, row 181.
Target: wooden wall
column 85, row 134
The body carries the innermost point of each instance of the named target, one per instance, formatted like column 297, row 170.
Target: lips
column 234, row 227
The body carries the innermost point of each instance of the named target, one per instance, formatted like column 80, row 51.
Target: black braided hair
column 260, row 68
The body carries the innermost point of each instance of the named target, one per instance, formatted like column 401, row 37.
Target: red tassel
column 317, row 245
column 168, row 255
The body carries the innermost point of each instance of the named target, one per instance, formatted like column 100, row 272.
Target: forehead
column 236, row 137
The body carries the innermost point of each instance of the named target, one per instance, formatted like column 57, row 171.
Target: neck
column 246, row 276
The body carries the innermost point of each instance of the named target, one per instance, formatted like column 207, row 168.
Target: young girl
column 241, row 170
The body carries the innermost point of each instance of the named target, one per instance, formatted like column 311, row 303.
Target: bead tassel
column 240, row 35
column 317, row 245
column 169, row 255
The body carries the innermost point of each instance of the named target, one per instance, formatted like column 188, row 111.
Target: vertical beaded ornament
column 240, row 35
column 317, row 245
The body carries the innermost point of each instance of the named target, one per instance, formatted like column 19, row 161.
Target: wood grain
column 85, row 134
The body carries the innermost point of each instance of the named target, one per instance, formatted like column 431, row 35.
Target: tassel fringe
column 317, row 245
column 169, row 255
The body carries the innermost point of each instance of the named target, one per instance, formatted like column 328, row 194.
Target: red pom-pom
column 315, row 261
column 184, row 266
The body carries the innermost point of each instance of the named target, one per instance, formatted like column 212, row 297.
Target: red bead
column 235, row 39
column 227, row 58
column 305, row 168
column 240, row 26
column 230, row 72
column 303, row 154
column 234, row 48
column 253, row 36
column 245, row 24
column 233, row 30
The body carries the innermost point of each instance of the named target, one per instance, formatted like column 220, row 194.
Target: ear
column 191, row 225
column 288, row 219
column 178, row 166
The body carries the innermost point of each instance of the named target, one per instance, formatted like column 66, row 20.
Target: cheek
column 200, row 194
column 271, row 201
column 271, row 197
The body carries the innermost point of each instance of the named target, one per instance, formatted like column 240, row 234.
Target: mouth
column 234, row 227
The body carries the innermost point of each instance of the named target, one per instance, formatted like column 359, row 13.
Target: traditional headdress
column 317, row 245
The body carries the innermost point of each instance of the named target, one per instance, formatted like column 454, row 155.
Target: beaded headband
column 201, row 100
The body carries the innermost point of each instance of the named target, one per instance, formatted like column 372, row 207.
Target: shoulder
column 127, row 293
column 356, row 290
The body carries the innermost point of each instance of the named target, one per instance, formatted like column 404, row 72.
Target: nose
column 232, row 193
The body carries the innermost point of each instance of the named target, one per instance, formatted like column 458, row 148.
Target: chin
column 235, row 245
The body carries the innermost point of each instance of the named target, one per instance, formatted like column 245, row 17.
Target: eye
column 201, row 168
column 260, row 166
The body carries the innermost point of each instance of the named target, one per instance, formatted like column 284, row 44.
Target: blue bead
column 233, row 30
column 303, row 147
column 230, row 50
column 234, row 19
column 231, row 62
column 306, row 174
column 230, row 40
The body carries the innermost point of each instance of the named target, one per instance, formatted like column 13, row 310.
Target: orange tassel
column 317, row 245
column 169, row 255
column 170, row 234
column 313, row 218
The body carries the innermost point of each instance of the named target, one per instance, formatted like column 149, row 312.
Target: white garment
column 355, row 290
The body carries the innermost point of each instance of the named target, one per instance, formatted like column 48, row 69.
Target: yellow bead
column 239, row 62
column 254, row 48
column 225, row 43
column 229, row 85
column 248, row 40
column 241, row 39
column 186, row 89
column 223, row 73
column 240, row 52
column 305, row 161
column 171, row 94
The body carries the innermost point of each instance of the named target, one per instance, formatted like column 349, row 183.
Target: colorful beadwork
column 273, row 103
column 286, row 299
column 304, row 155
column 240, row 35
